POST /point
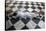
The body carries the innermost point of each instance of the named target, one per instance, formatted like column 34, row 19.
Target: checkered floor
column 21, row 15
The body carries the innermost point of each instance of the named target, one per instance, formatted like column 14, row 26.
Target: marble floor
column 21, row 15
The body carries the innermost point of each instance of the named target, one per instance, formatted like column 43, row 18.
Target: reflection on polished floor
column 21, row 15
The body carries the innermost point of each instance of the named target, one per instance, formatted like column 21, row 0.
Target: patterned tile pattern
column 21, row 15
